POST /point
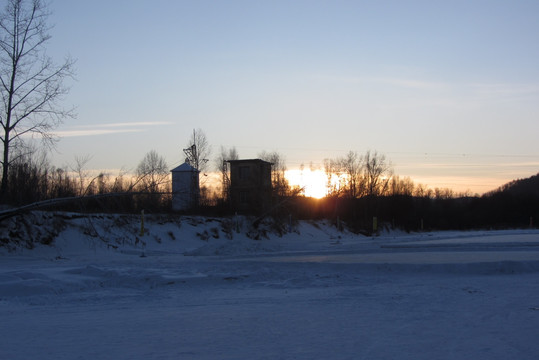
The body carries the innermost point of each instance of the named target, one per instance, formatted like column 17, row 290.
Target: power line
column 417, row 153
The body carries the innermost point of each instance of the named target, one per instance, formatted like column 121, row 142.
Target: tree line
column 409, row 207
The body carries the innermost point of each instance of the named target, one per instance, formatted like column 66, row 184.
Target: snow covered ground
column 196, row 288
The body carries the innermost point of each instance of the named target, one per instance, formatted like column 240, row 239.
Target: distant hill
column 528, row 186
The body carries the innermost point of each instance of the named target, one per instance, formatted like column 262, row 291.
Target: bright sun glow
column 314, row 183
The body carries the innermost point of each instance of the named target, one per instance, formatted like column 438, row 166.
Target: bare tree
column 336, row 182
column 198, row 151
column 197, row 155
column 83, row 175
column 352, row 167
column 31, row 85
column 152, row 172
column 377, row 173
column 443, row 193
column 403, row 186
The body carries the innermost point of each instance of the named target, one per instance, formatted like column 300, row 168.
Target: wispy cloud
column 133, row 124
column 93, row 132
column 106, row 129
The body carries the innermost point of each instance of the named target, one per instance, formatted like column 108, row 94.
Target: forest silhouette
column 394, row 203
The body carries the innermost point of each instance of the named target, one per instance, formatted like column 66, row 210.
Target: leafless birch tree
column 31, row 84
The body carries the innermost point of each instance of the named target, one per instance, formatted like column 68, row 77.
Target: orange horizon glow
column 315, row 182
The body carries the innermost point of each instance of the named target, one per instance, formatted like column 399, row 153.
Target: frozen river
column 315, row 294
column 476, row 249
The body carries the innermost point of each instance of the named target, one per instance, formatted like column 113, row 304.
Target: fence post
column 142, row 223
column 289, row 223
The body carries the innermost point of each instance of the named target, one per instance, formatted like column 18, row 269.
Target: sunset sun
column 313, row 182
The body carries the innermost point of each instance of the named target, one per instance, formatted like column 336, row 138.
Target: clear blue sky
column 447, row 90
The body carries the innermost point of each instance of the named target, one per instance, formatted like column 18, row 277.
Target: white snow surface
column 102, row 290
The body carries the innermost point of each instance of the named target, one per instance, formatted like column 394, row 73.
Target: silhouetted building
column 185, row 187
column 250, row 185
